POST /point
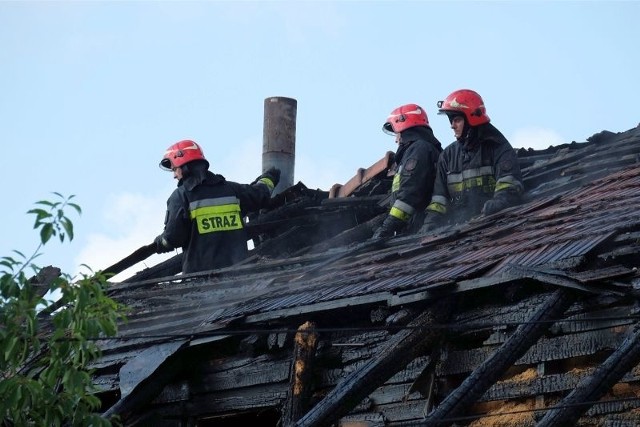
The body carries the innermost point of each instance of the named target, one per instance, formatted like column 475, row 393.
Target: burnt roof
column 578, row 229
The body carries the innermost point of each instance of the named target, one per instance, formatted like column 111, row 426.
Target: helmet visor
column 388, row 129
column 165, row 164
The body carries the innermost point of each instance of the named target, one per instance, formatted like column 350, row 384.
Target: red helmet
column 405, row 117
column 467, row 102
column 180, row 153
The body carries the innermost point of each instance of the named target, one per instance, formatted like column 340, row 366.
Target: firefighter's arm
column 508, row 182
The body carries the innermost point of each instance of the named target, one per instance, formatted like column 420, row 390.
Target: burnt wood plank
column 546, row 349
column 402, row 412
column 400, row 350
column 306, row 342
column 491, row 369
column 593, row 387
column 547, row 384
column 261, row 372
column 232, row 401
column 330, row 377
column 318, row 307
column 154, row 380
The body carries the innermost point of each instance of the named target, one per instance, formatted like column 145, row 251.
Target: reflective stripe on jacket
column 415, row 173
column 466, row 179
column 216, row 214
column 207, row 221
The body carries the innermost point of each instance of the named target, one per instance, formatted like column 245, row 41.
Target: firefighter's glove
column 432, row 221
column 162, row 246
column 494, row 205
column 389, row 227
column 272, row 175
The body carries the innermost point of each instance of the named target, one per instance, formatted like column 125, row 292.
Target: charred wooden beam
column 479, row 381
column 306, row 343
column 259, row 398
column 165, row 268
column 138, row 255
column 44, row 279
column 41, row 284
column 405, row 346
column 153, row 379
column 592, row 388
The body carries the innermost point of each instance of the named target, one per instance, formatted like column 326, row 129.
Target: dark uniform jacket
column 473, row 171
column 205, row 216
column 415, row 173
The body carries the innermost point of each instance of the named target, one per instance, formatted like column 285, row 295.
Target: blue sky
column 93, row 92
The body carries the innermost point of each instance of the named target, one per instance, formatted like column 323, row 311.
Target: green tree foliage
column 46, row 347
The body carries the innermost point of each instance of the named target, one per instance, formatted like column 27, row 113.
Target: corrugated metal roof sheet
column 570, row 227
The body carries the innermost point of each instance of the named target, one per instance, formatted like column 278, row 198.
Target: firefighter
column 415, row 169
column 205, row 214
column 477, row 174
